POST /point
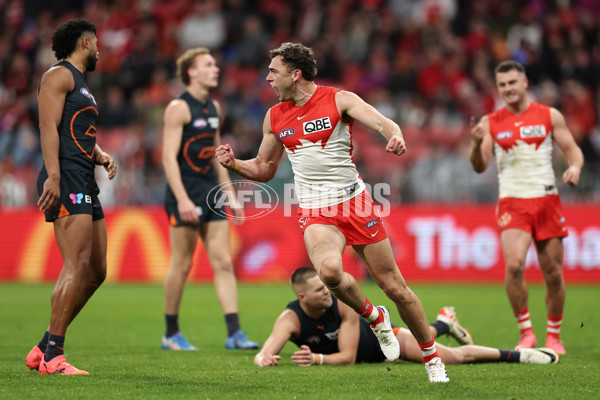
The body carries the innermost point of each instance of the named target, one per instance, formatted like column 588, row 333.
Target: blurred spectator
column 525, row 35
column 253, row 42
column 138, row 65
column 204, row 27
column 426, row 63
column 114, row 110
column 355, row 39
column 579, row 109
column 17, row 75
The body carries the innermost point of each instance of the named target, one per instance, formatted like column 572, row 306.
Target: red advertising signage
column 438, row 243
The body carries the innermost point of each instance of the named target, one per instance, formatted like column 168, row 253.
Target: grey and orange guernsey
column 77, row 127
column 196, row 161
column 76, row 153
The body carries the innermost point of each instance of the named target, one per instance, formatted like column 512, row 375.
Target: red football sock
column 429, row 351
column 553, row 326
column 524, row 321
column 371, row 313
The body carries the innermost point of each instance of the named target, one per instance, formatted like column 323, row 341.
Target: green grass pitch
column 117, row 339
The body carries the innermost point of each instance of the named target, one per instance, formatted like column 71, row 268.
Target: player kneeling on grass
column 329, row 332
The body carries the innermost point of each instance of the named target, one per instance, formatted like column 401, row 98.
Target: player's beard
column 90, row 62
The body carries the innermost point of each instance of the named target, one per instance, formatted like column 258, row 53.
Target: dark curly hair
column 297, row 56
column 64, row 40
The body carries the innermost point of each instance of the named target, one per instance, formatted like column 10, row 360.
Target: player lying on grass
column 329, row 332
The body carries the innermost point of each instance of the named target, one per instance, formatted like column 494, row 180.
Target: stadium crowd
column 426, row 64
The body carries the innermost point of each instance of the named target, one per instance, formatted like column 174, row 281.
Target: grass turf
column 117, row 339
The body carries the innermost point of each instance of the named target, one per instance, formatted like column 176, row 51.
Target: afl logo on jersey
column 200, row 123
column 286, row 133
column 504, row 135
column 371, row 223
column 87, row 94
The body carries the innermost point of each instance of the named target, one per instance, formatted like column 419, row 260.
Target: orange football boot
column 555, row 344
column 34, row 357
column 59, row 366
column 527, row 341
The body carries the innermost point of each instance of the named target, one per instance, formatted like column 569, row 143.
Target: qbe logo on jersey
column 533, row 131
column 316, row 125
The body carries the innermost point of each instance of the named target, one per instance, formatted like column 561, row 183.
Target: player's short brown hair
column 297, row 56
column 186, row 60
column 300, row 276
column 509, row 65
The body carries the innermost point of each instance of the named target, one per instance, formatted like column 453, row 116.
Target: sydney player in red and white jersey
column 314, row 124
column 521, row 137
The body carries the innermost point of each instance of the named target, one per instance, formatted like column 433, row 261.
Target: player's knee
column 400, row 294
column 223, row 265
column 553, row 277
column 397, row 291
column 181, row 265
column 331, row 271
column 83, row 263
column 515, row 268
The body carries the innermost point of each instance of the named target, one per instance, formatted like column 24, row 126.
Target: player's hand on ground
column 304, row 357
column 571, row 176
column 188, row 212
column 267, row 360
column 225, row 156
column 110, row 165
column 396, row 145
column 50, row 194
column 477, row 130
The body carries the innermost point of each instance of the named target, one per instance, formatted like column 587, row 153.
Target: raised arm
column 263, row 167
column 351, row 105
column 177, row 114
column 481, row 144
column 55, row 85
column 287, row 324
column 563, row 137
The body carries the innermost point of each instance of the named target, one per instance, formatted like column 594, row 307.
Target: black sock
column 510, row 356
column 441, row 327
column 172, row 324
column 55, row 347
column 233, row 323
column 44, row 342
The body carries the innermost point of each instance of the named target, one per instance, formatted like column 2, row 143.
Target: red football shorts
column 357, row 219
column 542, row 217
